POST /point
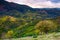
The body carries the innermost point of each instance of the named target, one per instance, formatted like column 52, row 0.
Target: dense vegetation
column 27, row 25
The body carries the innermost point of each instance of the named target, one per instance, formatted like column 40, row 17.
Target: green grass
column 51, row 36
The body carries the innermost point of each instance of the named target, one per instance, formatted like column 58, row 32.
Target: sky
column 39, row 3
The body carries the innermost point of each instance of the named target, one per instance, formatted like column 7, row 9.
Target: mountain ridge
column 7, row 6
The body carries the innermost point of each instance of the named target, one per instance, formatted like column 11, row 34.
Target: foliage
column 46, row 26
column 14, row 24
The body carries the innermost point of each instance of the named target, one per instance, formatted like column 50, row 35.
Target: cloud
column 39, row 3
column 46, row 4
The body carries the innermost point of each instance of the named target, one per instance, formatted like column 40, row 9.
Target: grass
column 51, row 36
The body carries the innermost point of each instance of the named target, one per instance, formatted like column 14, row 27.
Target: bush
column 9, row 34
column 46, row 26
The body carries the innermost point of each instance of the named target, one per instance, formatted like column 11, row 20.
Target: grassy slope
column 52, row 36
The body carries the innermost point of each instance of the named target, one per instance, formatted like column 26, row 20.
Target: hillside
column 21, row 20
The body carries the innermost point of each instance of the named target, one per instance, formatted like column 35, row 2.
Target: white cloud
column 38, row 3
column 46, row 4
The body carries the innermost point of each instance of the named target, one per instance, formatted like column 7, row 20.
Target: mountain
column 13, row 6
column 18, row 20
column 8, row 6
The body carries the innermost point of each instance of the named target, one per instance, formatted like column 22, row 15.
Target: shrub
column 9, row 34
column 46, row 26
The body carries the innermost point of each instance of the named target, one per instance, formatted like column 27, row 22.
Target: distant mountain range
column 9, row 6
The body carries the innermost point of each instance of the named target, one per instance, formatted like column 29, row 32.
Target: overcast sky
column 39, row 3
